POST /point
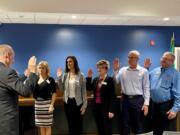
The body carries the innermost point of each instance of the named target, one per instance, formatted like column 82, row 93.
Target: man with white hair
column 165, row 94
column 134, row 81
column 10, row 87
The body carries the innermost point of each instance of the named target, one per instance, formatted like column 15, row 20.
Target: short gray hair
column 134, row 52
column 6, row 49
column 171, row 54
column 103, row 62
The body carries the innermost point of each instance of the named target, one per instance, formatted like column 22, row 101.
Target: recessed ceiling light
column 166, row 18
column 74, row 16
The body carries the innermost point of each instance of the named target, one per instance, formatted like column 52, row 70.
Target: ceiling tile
column 95, row 20
column 116, row 20
column 4, row 20
column 22, row 20
column 49, row 18
column 83, row 19
column 68, row 19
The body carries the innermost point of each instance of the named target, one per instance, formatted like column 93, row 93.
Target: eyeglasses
column 132, row 57
column 102, row 67
column 166, row 59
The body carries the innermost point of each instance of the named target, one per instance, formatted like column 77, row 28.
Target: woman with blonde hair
column 45, row 95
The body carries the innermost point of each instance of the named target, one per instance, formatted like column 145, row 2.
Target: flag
column 172, row 46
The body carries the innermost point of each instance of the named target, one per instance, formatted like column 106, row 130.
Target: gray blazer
column 80, row 88
column 10, row 87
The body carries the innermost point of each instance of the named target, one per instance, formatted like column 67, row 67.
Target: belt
column 71, row 98
column 131, row 96
column 40, row 98
column 165, row 102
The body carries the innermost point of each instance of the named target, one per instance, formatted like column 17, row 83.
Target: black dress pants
column 160, row 118
column 74, row 117
column 104, row 124
column 132, row 114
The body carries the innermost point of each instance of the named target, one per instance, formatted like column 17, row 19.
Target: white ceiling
column 93, row 12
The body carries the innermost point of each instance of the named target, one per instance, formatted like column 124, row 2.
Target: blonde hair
column 103, row 62
column 46, row 65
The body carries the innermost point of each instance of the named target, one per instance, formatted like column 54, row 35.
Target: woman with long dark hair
column 73, row 83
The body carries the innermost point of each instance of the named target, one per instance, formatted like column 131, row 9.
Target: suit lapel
column 96, row 82
column 104, row 83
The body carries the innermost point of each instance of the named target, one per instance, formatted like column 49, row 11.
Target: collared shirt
column 135, row 82
column 165, row 85
column 98, row 92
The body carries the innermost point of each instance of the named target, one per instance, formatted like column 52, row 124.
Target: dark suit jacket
column 107, row 92
column 10, row 87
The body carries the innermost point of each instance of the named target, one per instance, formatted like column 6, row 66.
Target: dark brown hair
column 76, row 66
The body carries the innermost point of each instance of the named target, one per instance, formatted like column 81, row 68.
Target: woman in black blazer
column 104, row 97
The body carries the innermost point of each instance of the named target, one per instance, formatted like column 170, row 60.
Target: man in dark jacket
column 10, row 87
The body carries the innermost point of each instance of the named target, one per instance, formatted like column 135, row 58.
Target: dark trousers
column 160, row 118
column 118, row 117
column 74, row 117
column 132, row 115
column 104, row 124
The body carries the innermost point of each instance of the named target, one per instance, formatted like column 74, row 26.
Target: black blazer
column 107, row 92
column 10, row 87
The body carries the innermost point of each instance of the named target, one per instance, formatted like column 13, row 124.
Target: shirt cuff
column 174, row 109
column 146, row 102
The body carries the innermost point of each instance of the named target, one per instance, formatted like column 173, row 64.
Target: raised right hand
column 147, row 63
column 116, row 64
column 90, row 72
column 59, row 72
column 32, row 64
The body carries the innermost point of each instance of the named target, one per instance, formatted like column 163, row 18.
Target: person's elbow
column 27, row 92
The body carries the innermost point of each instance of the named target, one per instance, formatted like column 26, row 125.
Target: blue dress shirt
column 165, row 85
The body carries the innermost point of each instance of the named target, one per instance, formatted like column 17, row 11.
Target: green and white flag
column 172, row 46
